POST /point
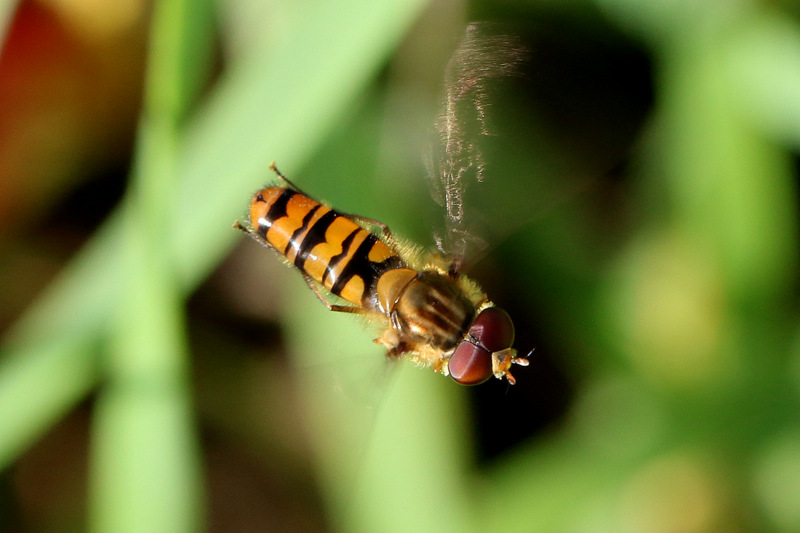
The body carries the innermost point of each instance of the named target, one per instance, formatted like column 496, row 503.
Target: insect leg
column 455, row 268
column 330, row 306
column 291, row 185
column 311, row 283
column 387, row 233
column 365, row 220
column 254, row 235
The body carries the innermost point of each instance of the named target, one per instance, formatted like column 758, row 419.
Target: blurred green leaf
column 145, row 468
column 763, row 59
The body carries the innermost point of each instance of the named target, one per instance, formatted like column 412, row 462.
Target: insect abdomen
column 331, row 248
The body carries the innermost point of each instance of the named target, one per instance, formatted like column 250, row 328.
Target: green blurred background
column 159, row 372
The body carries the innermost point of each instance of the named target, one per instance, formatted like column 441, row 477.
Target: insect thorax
column 432, row 310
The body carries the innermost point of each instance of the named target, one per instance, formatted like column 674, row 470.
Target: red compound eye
column 493, row 329
column 471, row 362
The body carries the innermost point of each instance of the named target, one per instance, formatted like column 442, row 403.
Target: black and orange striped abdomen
column 331, row 248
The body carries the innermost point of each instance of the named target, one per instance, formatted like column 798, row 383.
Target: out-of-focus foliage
column 642, row 173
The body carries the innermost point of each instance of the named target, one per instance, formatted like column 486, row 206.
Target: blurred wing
column 483, row 57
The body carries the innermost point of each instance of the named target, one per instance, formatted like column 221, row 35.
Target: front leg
column 395, row 347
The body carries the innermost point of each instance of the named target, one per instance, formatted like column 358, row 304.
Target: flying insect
column 428, row 309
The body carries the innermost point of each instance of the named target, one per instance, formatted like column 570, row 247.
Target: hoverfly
column 429, row 310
